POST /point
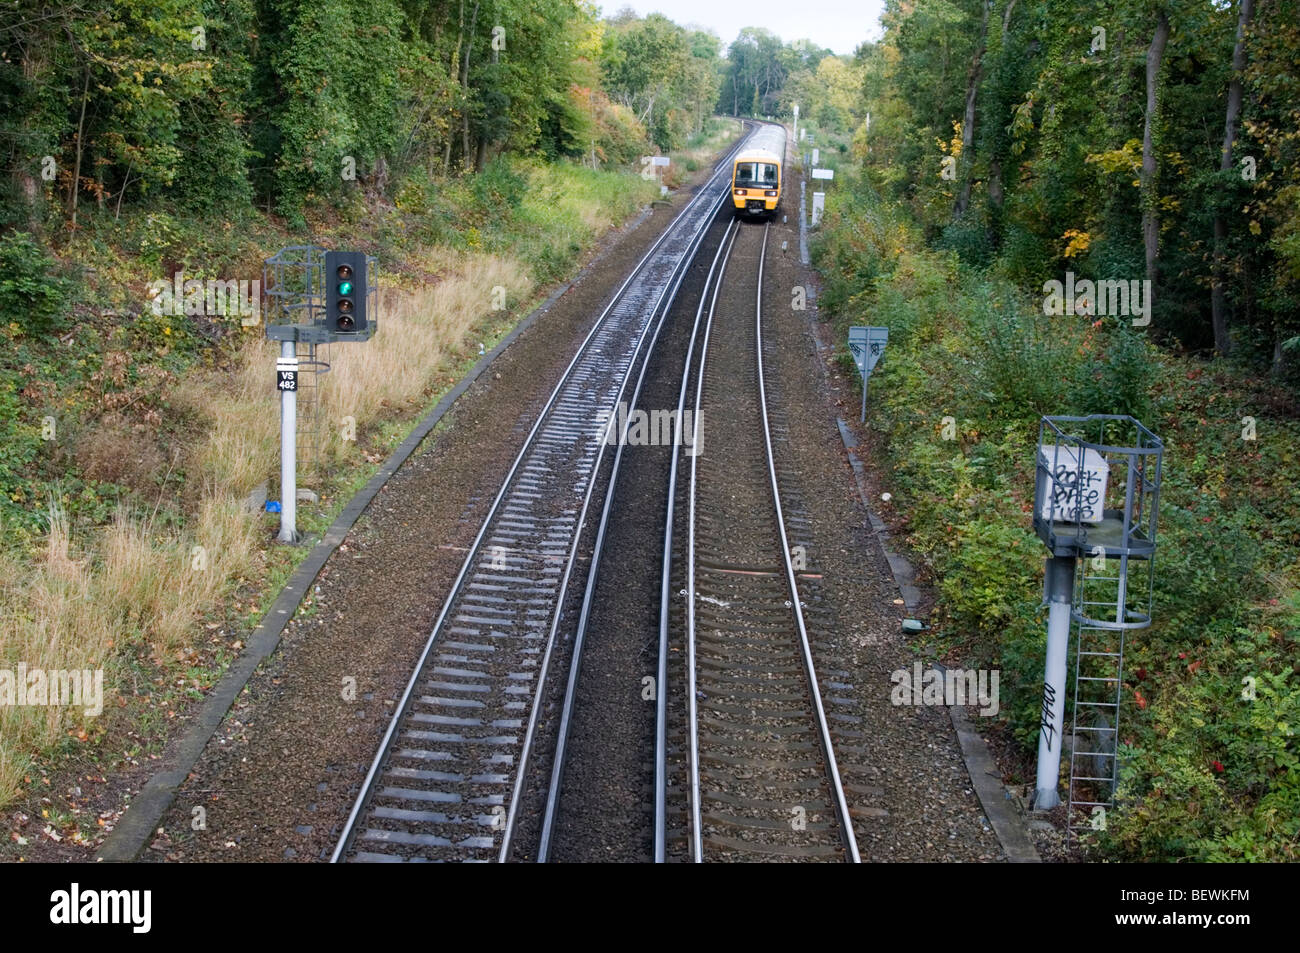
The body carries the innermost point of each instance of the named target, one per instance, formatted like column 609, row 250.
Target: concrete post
column 1060, row 592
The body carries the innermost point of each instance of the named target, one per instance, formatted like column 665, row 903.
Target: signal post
column 312, row 297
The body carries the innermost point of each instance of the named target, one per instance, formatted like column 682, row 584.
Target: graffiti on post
column 1049, row 701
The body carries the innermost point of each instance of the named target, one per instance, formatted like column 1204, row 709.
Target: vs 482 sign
column 286, row 374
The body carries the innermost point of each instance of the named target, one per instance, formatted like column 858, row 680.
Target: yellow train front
column 756, row 173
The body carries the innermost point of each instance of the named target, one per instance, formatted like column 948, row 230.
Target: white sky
column 839, row 25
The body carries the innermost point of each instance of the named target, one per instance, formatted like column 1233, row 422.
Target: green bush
column 1025, row 361
column 1122, row 382
column 32, row 293
column 499, row 188
column 1218, row 779
column 970, row 240
column 20, row 436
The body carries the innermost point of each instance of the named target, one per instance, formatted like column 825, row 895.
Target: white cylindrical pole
column 1060, row 592
column 288, row 446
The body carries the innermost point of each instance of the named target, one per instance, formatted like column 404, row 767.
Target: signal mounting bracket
column 295, row 292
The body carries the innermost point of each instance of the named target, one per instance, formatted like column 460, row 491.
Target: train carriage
column 756, row 173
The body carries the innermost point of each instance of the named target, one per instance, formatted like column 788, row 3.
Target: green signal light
column 345, row 287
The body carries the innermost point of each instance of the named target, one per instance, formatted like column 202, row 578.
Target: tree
column 1218, row 306
column 1270, row 118
column 335, row 69
column 662, row 72
column 968, row 118
column 757, row 68
column 1150, row 215
column 101, row 88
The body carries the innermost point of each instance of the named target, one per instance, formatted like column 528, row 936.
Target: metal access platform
column 1098, row 485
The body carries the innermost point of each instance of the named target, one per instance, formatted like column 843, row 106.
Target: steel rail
column 661, row 306
column 841, row 804
column 556, row 787
column 554, row 791
column 665, row 588
column 832, row 770
column 697, row 842
column 665, row 592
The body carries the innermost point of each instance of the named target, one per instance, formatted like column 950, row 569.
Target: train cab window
column 756, row 173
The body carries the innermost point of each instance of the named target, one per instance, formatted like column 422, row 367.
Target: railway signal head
column 345, row 292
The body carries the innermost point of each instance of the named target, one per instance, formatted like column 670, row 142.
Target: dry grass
column 137, row 585
column 418, row 331
column 140, row 587
column 156, row 586
column 115, row 452
column 244, row 427
column 51, row 620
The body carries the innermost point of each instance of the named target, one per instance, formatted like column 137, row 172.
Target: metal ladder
column 311, row 425
column 1099, row 601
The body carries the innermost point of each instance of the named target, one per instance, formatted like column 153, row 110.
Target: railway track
column 447, row 780
column 745, row 764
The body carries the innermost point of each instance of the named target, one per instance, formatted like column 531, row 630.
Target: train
column 756, row 173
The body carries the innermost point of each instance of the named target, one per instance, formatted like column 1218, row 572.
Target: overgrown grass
column 133, row 589
column 1211, row 696
column 395, row 373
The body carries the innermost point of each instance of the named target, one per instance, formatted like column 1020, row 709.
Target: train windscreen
column 758, row 174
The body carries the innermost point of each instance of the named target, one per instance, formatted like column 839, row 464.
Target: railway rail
column 447, row 780
column 745, row 763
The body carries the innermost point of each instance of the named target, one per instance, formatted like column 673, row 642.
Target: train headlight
column 739, row 191
column 771, row 192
